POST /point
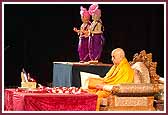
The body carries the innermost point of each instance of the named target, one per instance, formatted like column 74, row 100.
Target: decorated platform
column 67, row 74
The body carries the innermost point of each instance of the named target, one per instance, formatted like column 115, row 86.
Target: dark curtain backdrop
column 35, row 35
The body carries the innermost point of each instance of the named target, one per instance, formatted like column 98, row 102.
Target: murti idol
column 96, row 39
column 83, row 35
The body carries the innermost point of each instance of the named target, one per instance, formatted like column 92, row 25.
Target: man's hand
column 99, row 86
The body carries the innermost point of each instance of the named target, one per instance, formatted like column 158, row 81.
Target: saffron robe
column 123, row 73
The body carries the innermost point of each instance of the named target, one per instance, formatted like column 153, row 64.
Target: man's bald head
column 119, row 51
column 117, row 55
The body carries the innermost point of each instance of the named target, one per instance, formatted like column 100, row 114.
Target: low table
column 21, row 101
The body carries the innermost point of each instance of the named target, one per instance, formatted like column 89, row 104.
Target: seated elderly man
column 120, row 72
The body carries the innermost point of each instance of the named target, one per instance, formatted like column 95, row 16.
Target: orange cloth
column 93, row 82
column 123, row 73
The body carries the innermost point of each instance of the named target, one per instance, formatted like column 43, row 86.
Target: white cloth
column 85, row 79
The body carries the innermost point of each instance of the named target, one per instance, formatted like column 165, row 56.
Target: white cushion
column 144, row 73
column 85, row 79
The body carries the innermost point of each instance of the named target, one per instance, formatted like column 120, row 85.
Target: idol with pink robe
column 83, row 35
column 96, row 39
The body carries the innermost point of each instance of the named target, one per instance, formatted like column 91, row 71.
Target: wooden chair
column 140, row 95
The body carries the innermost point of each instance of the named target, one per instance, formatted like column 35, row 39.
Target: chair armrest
column 137, row 89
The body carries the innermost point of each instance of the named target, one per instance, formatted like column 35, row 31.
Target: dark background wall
column 35, row 35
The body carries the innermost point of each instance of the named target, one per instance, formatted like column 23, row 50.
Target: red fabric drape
column 20, row 101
